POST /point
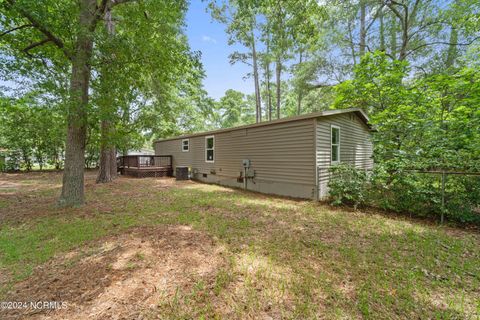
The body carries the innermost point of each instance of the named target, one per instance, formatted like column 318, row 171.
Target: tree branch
column 357, row 44
column 323, row 85
column 396, row 12
column 374, row 17
column 422, row 27
column 117, row 2
column 36, row 44
column 101, row 9
column 397, row 3
column 107, row 5
column 15, row 29
column 389, row 55
column 443, row 43
column 415, row 8
column 43, row 29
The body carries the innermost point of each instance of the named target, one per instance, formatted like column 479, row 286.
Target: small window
column 335, row 152
column 210, row 149
column 185, row 145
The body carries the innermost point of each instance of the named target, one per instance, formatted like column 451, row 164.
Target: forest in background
column 120, row 74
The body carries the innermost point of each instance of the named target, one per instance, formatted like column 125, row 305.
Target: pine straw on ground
column 162, row 249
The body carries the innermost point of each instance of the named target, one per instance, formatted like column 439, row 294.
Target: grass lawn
column 181, row 250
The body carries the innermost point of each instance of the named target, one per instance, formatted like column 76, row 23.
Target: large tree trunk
column 108, row 165
column 278, row 75
column 258, row 101
column 267, row 78
column 113, row 162
column 382, row 31
column 108, row 162
column 351, row 43
column 405, row 39
column 73, row 175
column 269, row 91
column 363, row 31
column 452, row 48
column 300, row 91
column 105, row 170
column 393, row 37
column 407, row 19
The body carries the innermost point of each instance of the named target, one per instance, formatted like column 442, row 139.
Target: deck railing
column 144, row 161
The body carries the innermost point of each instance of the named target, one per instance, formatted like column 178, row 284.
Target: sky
column 210, row 38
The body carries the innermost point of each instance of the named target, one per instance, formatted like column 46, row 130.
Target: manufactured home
column 289, row 156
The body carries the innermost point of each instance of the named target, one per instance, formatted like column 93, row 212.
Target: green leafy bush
column 13, row 161
column 400, row 190
column 421, row 194
column 348, row 185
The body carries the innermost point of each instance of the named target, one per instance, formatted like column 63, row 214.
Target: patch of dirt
column 26, row 196
column 121, row 277
column 8, row 185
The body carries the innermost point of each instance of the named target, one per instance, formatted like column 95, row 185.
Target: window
column 185, row 145
column 210, row 149
column 335, row 152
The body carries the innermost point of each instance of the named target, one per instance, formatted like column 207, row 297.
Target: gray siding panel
column 290, row 158
column 355, row 145
column 281, row 155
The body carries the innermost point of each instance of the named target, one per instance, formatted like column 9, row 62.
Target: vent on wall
column 204, row 175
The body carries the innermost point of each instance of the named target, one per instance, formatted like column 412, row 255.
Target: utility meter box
column 246, row 163
column 250, row 173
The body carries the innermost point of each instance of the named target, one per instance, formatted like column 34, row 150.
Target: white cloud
column 208, row 39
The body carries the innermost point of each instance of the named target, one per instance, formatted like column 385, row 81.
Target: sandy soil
column 121, row 277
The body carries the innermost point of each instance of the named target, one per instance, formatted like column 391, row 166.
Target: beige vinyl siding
column 281, row 153
column 174, row 147
column 355, row 145
column 289, row 158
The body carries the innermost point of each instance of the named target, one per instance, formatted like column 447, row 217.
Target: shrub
column 13, row 161
column 348, row 185
column 421, row 194
column 405, row 191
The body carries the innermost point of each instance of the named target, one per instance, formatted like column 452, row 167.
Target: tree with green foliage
column 429, row 35
column 33, row 131
column 279, row 26
column 130, row 65
column 234, row 109
column 293, row 25
column 408, row 110
column 241, row 18
column 34, row 26
column 424, row 123
column 38, row 38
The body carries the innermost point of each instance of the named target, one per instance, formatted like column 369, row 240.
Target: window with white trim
column 185, row 145
column 335, row 144
column 210, row 149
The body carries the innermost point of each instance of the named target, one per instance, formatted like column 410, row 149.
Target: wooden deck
column 142, row 166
